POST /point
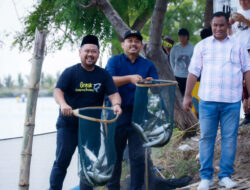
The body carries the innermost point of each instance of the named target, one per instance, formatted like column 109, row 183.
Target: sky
column 12, row 61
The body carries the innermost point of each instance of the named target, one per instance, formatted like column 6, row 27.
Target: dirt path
column 241, row 165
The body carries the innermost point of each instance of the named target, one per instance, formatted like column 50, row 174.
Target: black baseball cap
column 90, row 39
column 133, row 33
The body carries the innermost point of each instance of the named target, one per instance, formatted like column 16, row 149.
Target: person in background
column 80, row 85
column 127, row 69
column 240, row 29
column 221, row 61
column 245, row 97
column 167, row 44
column 180, row 57
column 206, row 32
column 240, row 23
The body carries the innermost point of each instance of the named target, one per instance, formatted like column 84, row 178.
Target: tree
column 29, row 124
column 184, row 14
column 208, row 13
column 8, row 81
column 1, row 84
column 49, row 81
column 20, row 81
column 68, row 21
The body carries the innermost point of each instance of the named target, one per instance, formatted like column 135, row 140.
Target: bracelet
column 116, row 104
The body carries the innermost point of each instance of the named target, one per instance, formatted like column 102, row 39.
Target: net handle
column 170, row 83
column 77, row 114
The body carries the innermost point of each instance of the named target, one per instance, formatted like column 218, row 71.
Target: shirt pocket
column 207, row 57
column 235, row 56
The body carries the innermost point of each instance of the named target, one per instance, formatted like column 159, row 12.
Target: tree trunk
column 208, row 13
column 154, row 52
column 29, row 124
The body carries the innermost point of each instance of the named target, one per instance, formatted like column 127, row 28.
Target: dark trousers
column 182, row 84
column 126, row 133
column 67, row 141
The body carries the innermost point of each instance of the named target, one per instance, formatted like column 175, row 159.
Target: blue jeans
column 67, row 141
column 125, row 132
column 211, row 114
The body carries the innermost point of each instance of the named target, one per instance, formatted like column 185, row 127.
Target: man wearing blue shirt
column 126, row 69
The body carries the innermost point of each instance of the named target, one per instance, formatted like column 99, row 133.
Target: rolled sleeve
column 196, row 63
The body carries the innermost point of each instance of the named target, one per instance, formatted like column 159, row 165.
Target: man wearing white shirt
column 221, row 62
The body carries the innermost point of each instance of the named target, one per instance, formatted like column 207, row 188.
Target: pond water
column 12, row 116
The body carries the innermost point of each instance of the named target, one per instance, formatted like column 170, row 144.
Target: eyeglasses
column 166, row 44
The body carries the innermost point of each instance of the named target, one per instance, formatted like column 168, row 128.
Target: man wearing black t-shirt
column 80, row 85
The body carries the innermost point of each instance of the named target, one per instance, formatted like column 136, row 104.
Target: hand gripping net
column 153, row 113
column 96, row 146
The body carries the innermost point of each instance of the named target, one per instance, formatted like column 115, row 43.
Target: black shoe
column 245, row 121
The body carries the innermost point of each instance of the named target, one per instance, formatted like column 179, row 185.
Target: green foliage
column 48, row 81
column 6, row 94
column 184, row 14
column 67, row 22
column 185, row 167
column 8, row 82
column 1, row 84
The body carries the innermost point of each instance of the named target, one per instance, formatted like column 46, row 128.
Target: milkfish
column 157, row 141
column 149, row 124
column 86, row 176
column 158, row 130
column 100, row 177
column 90, row 154
column 140, row 130
column 96, row 172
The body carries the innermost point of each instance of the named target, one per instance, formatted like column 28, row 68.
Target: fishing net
column 153, row 113
column 96, row 145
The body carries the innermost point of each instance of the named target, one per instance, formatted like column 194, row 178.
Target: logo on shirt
column 97, row 87
column 182, row 62
column 88, row 87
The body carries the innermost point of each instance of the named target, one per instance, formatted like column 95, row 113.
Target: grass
column 176, row 163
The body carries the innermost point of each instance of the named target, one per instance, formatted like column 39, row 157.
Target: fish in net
column 96, row 144
column 153, row 112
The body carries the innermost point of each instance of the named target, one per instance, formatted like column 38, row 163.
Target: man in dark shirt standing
column 127, row 69
column 80, row 85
